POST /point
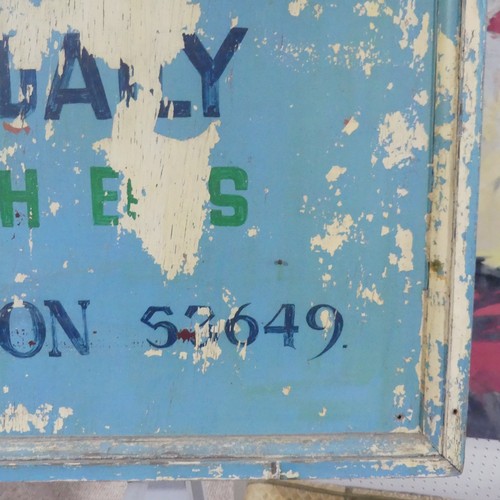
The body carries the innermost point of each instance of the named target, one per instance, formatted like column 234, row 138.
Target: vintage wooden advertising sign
column 237, row 237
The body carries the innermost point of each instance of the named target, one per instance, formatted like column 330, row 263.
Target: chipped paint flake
column 335, row 173
column 420, row 45
column 406, row 19
column 253, row 231
column 372, row 295
column 369, row 8
column 337, row 233
column 49, row 128
column 290, row 474
column 64, row 413
column 153, row 353
column 286, row 390
column 323, row 412
column 18, row 418
column 54, row 207
column 17, row 302
column 295, row 7
column 399, row 139
column 318, row 10
column 421, row 98
column 20, row 278
column 399, row 396
column 404, row 240
column 351, row 126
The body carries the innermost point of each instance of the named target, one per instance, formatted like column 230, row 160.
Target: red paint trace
column 494, row 24
column 16, row 130
column 186, row 335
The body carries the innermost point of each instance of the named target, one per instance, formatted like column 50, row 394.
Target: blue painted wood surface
column 238, row 237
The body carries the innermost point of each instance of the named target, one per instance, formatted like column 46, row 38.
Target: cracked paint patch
column 337, row 233
column 18, row 419
column 399, row 139
column 370, row 294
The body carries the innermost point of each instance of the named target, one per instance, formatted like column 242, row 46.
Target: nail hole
column 344, row 346
column 281, row 262
column 455, row 412
column 399, row 417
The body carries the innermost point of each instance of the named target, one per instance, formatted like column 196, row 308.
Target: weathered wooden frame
column 438, row 446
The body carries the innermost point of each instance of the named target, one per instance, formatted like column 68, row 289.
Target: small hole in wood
column 399, row 417
column 281, row 262
column 455, row 412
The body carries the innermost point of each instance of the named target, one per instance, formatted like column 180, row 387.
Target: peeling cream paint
column 54, row 207
column 174, row 198
column 421, row 98
column 17, row 302
column 399, row 139
column 153, row 353
column 242, row 350
column 323, row 412
column 449, row 222
column 49, row 128
column 18, row 419
column 364, row 54
column 286, row 390
column 20, row 278
column 206, row 349
column 372, row 9
column 290, row 475
column 318, row 10
column 295, row 7
column 335, row 172
column 8, row 152
column 447, row 67
column 149, row 160
column 64, row 413
column 351, row 126
column 408, row 285
column 406, row 19
column 399, row 396
column 463, row 280
column 371, row 295
column 404, row 241
column 337, row 233
column 5, row 389
column 228, row 298
column 445, row 131
column 252, row 232
column 420, row 45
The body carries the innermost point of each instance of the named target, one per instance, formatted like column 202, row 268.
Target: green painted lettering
column 238, row 203
column 8, row 197
column 101, row 195
column 131, row 200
